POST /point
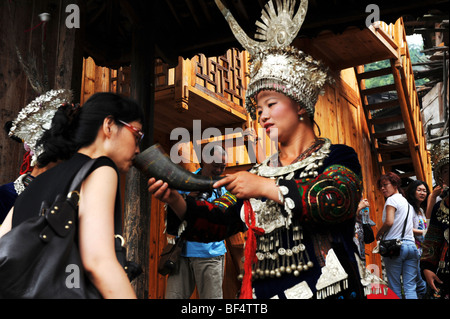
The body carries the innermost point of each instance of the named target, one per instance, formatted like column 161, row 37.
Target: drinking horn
column 154, row 162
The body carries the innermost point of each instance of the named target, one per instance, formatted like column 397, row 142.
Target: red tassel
column 35, row 27
column 26, row 164
column 250, row 251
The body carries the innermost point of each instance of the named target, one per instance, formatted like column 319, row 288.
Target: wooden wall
column 17, row 18
column 340, row 117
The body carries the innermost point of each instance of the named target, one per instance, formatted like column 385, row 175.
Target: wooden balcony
column 208, row 89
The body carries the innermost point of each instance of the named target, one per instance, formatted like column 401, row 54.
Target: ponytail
column 74, row 127
column 57, row 142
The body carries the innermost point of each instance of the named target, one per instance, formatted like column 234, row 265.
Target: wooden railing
column 409, row 100
column 223, row 75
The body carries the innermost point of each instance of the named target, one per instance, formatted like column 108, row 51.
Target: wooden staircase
column 395, row 124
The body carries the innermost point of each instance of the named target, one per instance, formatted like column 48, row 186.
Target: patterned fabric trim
column 208, row 222
column 433, row 244
column 225, row 201
column 332, row 196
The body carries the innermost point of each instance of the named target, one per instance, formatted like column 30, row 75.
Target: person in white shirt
column 397, row 211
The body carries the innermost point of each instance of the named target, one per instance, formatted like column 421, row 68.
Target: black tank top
column 49, row 184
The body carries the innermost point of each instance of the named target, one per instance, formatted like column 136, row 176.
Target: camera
column 390, row 248
column 204, row 196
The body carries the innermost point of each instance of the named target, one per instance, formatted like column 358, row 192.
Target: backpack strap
column 404, row 224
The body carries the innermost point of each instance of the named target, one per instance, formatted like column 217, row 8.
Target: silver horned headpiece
column 36, row 117
column 274, row 63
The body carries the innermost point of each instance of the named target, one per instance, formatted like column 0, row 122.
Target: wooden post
column 63, row 56
column 69, row 56
column 182, row 76
column 137, row 199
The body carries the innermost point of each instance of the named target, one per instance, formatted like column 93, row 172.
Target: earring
column 301, row 118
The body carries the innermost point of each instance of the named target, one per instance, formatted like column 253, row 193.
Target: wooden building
column 177, row 84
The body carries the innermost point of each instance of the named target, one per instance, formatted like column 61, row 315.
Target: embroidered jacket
column 435, row 245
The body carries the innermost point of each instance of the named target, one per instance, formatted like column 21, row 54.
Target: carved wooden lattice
column 224, row 75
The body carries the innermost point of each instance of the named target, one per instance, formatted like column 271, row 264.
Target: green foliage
column 380, row 80
column 416, row 56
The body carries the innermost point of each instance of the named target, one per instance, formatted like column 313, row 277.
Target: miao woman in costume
column 299, row 205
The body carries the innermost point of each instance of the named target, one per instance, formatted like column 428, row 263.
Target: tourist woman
column 107, row 127
column 396, row 214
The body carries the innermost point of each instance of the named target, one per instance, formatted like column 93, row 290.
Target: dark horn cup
column 154, row 162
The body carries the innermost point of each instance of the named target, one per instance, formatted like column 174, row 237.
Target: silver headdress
column 274, row 64
column 439, row 158
column 36, row 117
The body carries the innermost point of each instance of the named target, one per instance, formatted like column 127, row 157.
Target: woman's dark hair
column 392, row 178
column 74, row 127
column 411, row 194
column 317, row 125
column 7, row 128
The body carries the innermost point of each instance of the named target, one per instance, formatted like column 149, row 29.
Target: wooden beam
column 435, row 49
column 382, row 105
column 415, row 115
column 385, row 39
column 378, row 89
column 218, row 101
column 399, row 131
column 193, row 13
column 137, row 199
column 393, row 148
column 387, row 119
column 69, row 56
column 182, row 77
column 398, row 161
column 373, row 74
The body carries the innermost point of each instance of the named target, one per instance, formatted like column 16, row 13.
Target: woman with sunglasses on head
column 417, row 195
column 398, row 215
column 107, row 127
